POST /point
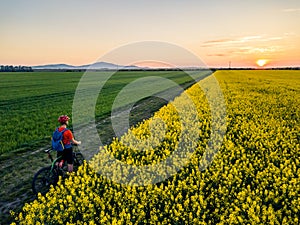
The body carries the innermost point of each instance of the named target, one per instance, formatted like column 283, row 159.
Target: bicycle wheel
column 43, row 179
column 78, row 160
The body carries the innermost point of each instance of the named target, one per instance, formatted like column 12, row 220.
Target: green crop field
column 31, row 102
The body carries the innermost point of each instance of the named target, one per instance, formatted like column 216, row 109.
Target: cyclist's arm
column 69, row 136
column 76, row 142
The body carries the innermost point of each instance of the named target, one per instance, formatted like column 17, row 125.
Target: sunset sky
column 218, row 32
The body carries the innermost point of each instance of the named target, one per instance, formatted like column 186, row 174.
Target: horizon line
column 152, row 67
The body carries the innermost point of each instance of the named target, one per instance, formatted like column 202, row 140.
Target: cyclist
column 68, row 139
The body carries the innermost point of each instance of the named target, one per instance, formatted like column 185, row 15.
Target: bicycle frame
column 53, row 161
column 49, row 175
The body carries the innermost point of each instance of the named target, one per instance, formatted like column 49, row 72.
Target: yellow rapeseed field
column 253, row 179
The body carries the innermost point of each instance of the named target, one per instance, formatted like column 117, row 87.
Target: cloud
column 245, row 46
column 248, row 50
column 218, row 55
column 218, row 41
column 227, row 42
column 292, row 10
column 261, row 50
column 273, row 39
column 249, row 38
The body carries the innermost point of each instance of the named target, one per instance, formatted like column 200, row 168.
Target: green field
column 31, row 102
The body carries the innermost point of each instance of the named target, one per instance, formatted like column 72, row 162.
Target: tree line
column 9, row 68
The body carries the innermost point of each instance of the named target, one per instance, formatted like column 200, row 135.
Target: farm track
column 17, row 171
column 16, row 176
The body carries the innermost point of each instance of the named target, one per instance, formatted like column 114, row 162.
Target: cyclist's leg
column 59, row 154
column 69, row 158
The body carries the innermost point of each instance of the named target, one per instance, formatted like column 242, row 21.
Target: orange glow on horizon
column 153, row 64
column 261, row 62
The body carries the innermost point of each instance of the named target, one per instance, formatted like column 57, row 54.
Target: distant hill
column 94, row 66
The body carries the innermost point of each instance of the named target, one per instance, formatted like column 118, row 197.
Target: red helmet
column 63, row 119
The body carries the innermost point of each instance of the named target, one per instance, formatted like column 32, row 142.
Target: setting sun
column 261, row 62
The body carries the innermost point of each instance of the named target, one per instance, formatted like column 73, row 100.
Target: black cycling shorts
column 67, row 155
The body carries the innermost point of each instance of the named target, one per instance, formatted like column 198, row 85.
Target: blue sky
column 79, row 32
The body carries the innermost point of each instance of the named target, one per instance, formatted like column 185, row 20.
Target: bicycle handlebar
column 50, row 149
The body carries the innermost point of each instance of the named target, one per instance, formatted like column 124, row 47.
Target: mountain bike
column 49, row 175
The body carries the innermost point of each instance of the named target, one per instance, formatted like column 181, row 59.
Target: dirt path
column 16, row 176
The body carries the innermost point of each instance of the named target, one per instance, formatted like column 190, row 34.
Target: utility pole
column 229, row 66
